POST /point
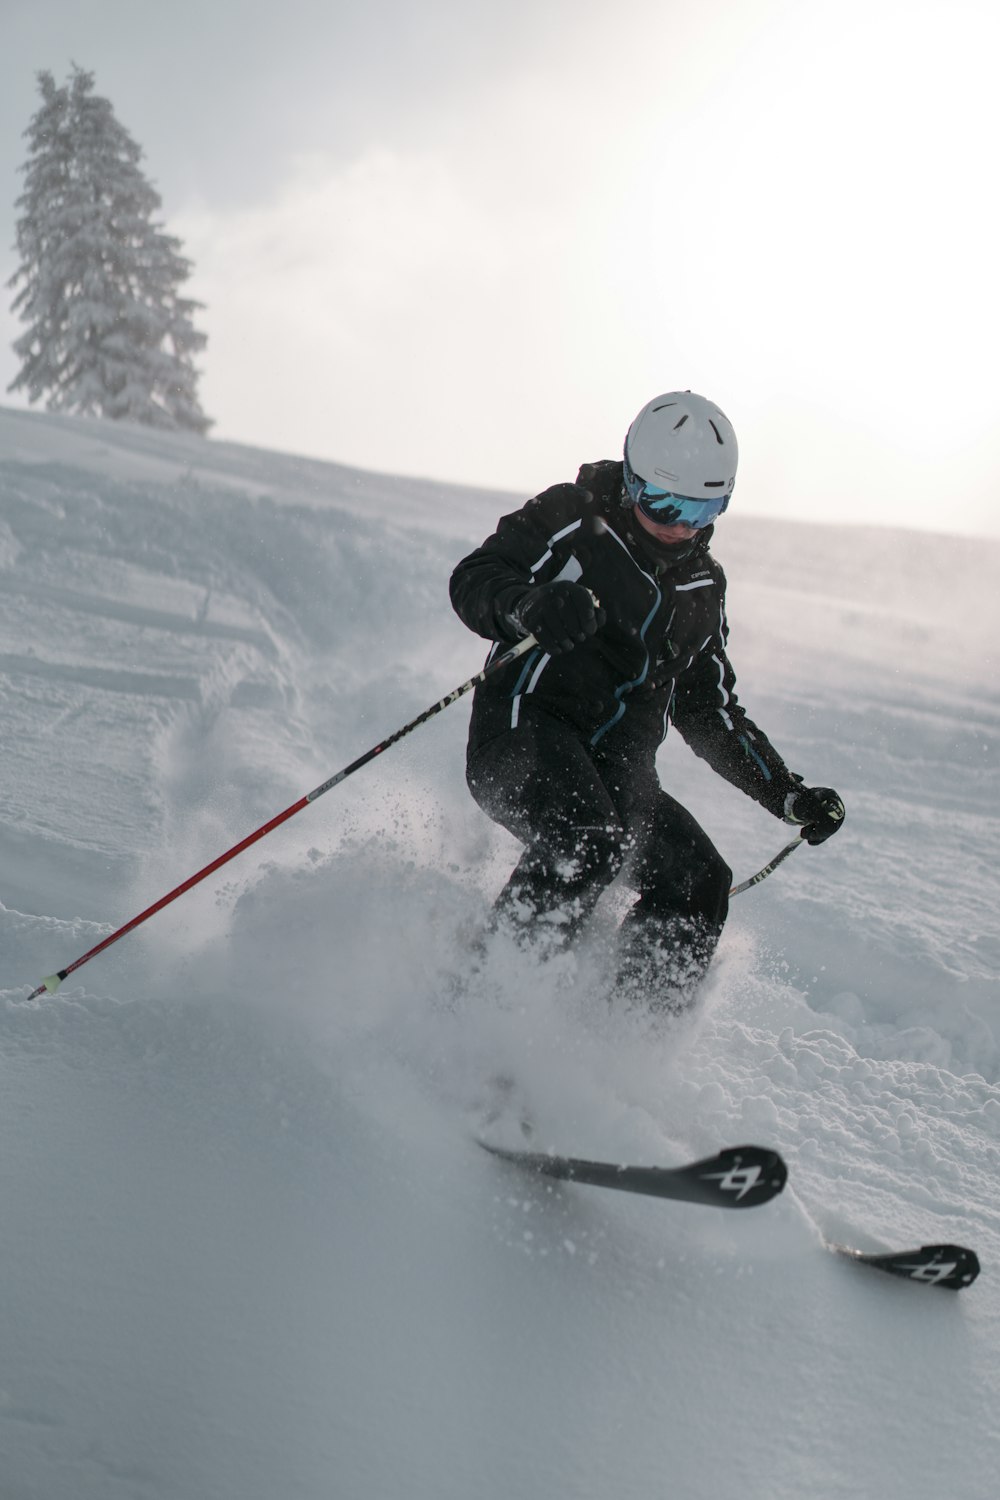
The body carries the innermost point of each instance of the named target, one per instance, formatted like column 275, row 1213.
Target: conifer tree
column 108, row 333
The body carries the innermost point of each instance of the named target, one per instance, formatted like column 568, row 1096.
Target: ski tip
column 736, row 1177
column 746, row 1175
column 951, row 1266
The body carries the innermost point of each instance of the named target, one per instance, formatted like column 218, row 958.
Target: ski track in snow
column 249, row 1244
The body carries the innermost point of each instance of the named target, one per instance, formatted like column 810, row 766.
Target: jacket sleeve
column 523, row 551
column 710, row 719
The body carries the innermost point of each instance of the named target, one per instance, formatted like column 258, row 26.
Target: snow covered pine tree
column 107, row 335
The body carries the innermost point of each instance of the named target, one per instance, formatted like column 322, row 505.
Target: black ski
column 933, row 1265
column 743, row 1177
column 738, row 1177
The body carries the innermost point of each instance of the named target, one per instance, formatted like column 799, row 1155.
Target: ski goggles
column 667, row 509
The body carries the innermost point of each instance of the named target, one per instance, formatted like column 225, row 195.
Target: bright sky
column 468, row 239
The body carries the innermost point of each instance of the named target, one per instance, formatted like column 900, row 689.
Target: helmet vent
column 681, row 422
column 718, row 435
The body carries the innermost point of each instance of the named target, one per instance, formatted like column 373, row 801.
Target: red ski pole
column 52, row 983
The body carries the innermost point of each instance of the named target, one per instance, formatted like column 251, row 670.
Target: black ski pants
column 584, row 814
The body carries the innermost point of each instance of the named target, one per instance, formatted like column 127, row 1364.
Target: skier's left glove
column 817, row 809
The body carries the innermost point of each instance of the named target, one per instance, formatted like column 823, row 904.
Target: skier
column 614, row 578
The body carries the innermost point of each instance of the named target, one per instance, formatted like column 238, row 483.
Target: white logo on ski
column 939, row 1272
column 738, row 1180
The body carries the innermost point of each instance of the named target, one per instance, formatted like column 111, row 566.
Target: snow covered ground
column 249, row 1246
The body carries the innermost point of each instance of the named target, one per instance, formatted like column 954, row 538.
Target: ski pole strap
column 745, row 885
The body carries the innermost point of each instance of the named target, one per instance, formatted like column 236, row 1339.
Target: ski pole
column 52, row 983
column 745, row 885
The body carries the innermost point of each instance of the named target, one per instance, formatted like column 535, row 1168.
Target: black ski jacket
column 660, row 658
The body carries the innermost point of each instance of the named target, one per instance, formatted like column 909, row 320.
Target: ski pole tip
column 49, row 985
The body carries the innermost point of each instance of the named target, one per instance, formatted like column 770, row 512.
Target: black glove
column 559, row 615
column 818, row 809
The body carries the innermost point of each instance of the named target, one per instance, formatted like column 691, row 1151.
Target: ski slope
column 249, row 1246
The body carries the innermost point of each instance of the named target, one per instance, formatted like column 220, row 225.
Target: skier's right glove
column 818, row 810
column 559, row 615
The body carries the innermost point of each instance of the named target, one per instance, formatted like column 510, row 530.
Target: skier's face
column 666, row 535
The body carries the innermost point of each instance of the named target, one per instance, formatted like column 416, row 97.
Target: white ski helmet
column 684, row 444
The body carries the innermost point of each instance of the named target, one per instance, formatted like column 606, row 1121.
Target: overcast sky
column 468, row 239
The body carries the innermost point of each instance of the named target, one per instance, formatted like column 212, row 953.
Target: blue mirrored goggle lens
column 667, row 509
